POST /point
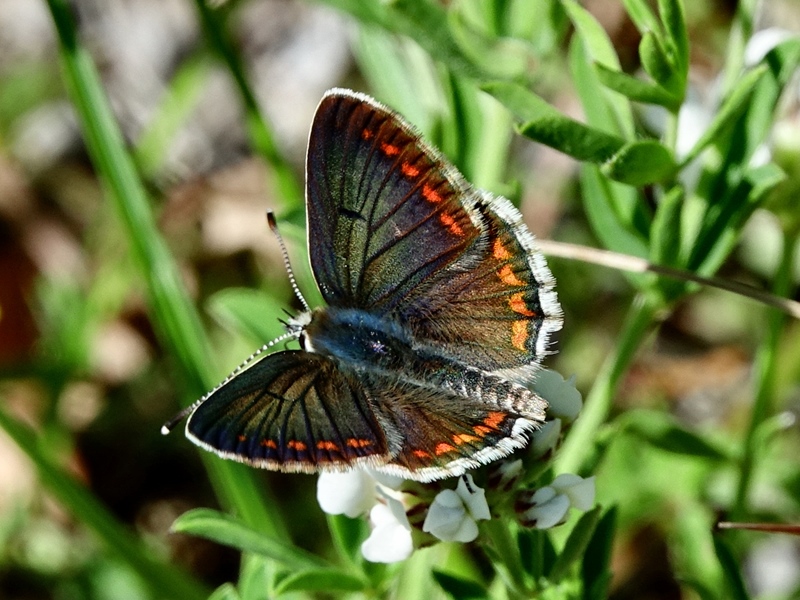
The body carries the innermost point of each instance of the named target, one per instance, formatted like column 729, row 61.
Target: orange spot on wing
column 358, row 443
column 494, row 419
column 327, row 445
column 296, row 445
column 508, row 276
column 464, row 438
column 409, row 170
column 242, row 438
column 443, row 448
column 449, row 222
column 482, row 430
column 519, row 334
column 389, row 149
column 269, row 444
column 430, row 194
column 499, row 251
column 518, row 305
column 366, row 134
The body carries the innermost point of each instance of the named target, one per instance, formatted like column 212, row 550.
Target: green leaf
column 642, row 16
column 732, row 107
column 227, row 591
column 724, row 220
column 730, row 570
column 230, row 531
column 665, row 231
column 604, row 109
column 248, row 311
column 572, row 138
column 543, row 123
column 655, row 61
column 524, row 104
column 677, row 38
column 458, row 587
column 321, row 580
column 664, row 432
column 614, row 230
column 575, row 546
column 640, row 163
column 636, row 89
column 598, row 44
column 596, row 562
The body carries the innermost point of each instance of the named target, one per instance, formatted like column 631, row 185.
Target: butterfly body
column 438, row 309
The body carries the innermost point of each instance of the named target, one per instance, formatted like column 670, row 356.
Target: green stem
column 578, row 444
column 174, row 316
column 765, row 368
column 505, row 548
column 260, row 133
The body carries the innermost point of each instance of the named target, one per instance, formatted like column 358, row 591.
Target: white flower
column 563, row 397
column 350, row 493
column 453, row 514
column 548, row 506
column 580, row 491
column 390, row 540
column 545, row 438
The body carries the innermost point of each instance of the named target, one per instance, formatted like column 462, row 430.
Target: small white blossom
column 548, row 506
column 564, row 399
column 545, row 438
column 350, row 493
column 453, row 515
column 390, row 540
column 548, row 510
column 580, row 491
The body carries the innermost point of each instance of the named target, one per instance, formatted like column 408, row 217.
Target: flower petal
column 549, row 513
column 565, row 401
column 474, row 498
column 390, row 540
column 351, row 493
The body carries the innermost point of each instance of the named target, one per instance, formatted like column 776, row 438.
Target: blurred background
column 81, row 364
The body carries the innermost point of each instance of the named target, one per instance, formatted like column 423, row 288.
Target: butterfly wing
column 396, row 230
column 291, row 411
column 438, row 431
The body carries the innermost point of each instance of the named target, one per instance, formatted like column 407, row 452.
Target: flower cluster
column 396, row 507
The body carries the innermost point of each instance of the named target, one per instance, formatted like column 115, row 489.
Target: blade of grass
column 579, row 443
column 163, row 580
column 174, row 316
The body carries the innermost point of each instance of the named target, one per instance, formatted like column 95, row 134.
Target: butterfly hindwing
column 396, row 230
column 437, row 431
column 291, row 411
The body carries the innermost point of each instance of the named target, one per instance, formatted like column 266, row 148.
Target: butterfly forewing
column 293, row 411
column 394, row 229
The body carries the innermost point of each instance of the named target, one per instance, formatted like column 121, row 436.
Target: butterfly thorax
column 356, row 337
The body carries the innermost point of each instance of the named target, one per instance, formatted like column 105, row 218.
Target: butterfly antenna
column 167, row 427
column 273, row 225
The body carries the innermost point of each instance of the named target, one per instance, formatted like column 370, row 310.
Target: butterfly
column 438, row 310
